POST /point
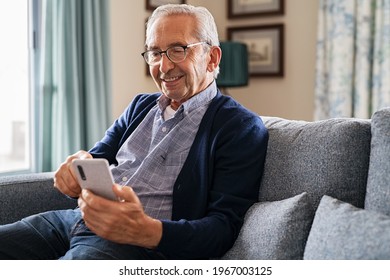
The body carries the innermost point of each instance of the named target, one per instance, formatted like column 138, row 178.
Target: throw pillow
column 274, row 230
column 323, row 157
column 378, row 183
column 342, row 231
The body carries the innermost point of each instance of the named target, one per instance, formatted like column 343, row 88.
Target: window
column 15, row 121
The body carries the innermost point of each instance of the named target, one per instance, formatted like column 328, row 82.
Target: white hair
column 206, row 29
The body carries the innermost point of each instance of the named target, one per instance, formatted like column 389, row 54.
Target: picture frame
column 251, row 8
column 153, row 4
column 265, row 48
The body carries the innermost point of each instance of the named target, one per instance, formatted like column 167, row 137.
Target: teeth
column 171, row 79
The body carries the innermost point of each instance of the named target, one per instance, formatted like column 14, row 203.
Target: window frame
column 34, row 100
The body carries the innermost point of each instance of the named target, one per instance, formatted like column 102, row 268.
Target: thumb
column 125, row 193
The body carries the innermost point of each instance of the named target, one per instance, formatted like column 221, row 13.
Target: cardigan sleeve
column 214, row 193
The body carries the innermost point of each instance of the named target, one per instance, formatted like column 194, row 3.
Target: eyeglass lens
column 175, row 54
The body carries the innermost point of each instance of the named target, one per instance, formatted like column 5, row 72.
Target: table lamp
column 233, row 66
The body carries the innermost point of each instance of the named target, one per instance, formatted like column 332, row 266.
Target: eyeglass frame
column 166, row 52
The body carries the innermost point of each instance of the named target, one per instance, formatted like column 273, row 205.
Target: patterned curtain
column 353, row 58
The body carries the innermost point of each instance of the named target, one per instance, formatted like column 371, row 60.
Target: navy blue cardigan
column 218, row 183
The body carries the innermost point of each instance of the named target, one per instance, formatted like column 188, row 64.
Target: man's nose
column 166, row 64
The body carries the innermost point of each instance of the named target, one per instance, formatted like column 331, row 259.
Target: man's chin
column 174, row 95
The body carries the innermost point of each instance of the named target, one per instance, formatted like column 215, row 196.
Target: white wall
column 290, row 97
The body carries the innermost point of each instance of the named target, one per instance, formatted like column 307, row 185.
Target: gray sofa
column 325, row 192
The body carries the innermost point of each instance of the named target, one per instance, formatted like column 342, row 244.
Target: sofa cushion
column 342, row 231
column 323, row 157
column 378, row 184
column 274, row 230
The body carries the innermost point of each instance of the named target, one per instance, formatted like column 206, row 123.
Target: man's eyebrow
column 175, row 44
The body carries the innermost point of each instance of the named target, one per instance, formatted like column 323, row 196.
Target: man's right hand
column 65, row 178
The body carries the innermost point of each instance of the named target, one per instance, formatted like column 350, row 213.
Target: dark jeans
column 62, row 235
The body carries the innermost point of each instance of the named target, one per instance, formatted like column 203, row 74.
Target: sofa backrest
column 329, row 157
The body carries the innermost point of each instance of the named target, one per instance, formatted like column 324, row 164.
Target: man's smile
column 170, row 79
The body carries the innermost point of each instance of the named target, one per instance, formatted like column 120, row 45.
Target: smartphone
column 95, row 175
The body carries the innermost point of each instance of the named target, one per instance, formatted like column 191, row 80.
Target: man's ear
column 215, row 58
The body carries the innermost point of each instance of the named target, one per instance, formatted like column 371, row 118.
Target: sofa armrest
column 27, row 194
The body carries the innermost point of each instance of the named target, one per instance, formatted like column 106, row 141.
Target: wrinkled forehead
column 171, row 30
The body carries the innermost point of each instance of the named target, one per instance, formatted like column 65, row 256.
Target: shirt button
column 164, row 129
column 124, row 179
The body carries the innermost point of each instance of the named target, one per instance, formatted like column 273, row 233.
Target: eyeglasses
column 175, row 54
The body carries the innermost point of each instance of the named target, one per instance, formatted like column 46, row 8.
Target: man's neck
column 175, row 104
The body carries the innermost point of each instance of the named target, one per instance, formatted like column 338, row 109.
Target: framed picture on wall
column 250, row 8
column 153, row 4
column 265, row 48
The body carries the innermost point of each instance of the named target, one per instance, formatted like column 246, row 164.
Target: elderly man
column 187, row 163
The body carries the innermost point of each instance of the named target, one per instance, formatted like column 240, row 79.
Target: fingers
column 65, row 181
column 99, row 214
column 82, row 155
column 97, row 203
column 126, row 193
column 122, row 222
column 65, row 177
column 93, row 205
column 93, row 201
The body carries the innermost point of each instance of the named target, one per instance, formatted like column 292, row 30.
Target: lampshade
column 234, row 65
